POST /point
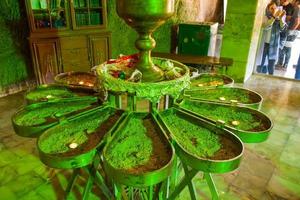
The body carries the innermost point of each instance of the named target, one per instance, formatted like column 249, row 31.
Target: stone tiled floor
column 269, row 170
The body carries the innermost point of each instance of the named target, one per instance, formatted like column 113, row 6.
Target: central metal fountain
column 136, row 154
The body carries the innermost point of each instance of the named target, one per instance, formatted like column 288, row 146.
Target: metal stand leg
column 131, row 102
column 190, row 183
column 189, row 175
column 212, row 186
column 118, row 191
column 88, row 186
column 71, row 182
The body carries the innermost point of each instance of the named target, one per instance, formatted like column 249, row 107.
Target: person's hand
column 277, row 14
column 282, row 14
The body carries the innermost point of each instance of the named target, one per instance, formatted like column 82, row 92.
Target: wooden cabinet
column 67, row 35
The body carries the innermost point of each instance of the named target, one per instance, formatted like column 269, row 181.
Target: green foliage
column 39, row 115
column 57, row 139
column 241, row 96
column 195, row 139
column 226, row 113
column 132, row 147
column 13, row 33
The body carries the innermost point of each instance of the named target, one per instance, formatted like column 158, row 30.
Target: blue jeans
column 284, row 56
column 271, row 63
column 297, row 74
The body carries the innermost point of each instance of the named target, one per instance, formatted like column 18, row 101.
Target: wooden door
column 46, row 57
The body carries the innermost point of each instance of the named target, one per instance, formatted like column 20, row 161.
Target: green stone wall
column 14, row 53
column 237, row 35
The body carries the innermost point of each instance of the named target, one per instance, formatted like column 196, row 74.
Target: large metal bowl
column 77, row 81
column 209, row 165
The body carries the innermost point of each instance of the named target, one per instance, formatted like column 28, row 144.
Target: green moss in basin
column 247, row 121
column 228, row 94
column 58, row 138
column 195, row 139
column 48, row 94
column 207, row 80
column 40, row 115
column 132, row 147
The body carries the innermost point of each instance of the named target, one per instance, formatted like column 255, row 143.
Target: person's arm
column 282, row 19
column 296, row 24
column 268, row 23
column 297, row 19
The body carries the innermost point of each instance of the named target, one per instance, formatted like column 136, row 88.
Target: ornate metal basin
column 32, row 120
column 73, row 143
column 250, row 125
column 227, row 95
column 194, row 147
column 147, row 158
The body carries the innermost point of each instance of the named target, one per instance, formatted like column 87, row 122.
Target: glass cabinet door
column 87, row 13
column 49, row 14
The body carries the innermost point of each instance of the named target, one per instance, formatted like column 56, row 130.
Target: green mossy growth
column 242, row 96
column 195, row 139
column 132, row 147
column 45, row 94
column 40, row 115
column 247, row 121
column 58, row 139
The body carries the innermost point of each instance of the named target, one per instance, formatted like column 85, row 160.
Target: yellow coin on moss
column 235, row 123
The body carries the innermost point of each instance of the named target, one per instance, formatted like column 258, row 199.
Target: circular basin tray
column 206, row 80
column 74, row 142
column 250, row 125
column 47, row 93
column 32, row 120
column 81, row 81
column 139, row 154
column 200, row 144
column 149, row 90
column 227, row 95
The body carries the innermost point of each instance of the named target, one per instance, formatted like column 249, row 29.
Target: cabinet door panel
column 46, row 57
column 76, row 60
column 99, row 49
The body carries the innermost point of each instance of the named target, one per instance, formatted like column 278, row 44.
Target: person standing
column 296, row 26
column 285, row 39
column 273, row 25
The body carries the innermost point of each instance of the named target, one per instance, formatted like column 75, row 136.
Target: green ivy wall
column 14, row 52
